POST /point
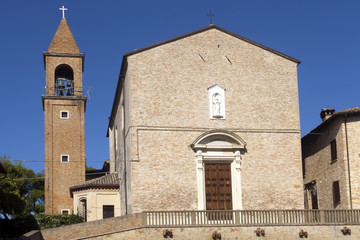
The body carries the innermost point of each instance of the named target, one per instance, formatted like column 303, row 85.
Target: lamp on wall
column 260, row 232
column 303, row 234
column 168, row 233
column 346, row 231
column 215, row 235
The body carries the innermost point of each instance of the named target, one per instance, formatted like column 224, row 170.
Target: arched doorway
column 218, row 157
column 83, row 208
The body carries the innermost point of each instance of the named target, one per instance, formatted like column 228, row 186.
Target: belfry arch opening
column 64, row 80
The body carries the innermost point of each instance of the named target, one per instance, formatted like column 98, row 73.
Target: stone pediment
column 218, row 139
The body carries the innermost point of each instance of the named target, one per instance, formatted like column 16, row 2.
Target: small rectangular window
column 336, row 193
column 108, row 211
column 64, row 114
column 333, row 150
column 65, row 158
column 65, row 212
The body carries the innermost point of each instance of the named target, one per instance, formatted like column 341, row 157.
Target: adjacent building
column 331, row 167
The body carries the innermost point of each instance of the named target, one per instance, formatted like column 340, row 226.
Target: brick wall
column 167, row 94
column 130, row 227
column 319, row 166
column 353, row 134
column 63, row 136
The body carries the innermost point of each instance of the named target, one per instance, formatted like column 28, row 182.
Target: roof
column 63, row 40
column 333, row 117
column 349, row 110
column 211, row 26
column 109, row 181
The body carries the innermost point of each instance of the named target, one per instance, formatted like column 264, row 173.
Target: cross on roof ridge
column 63, row 9
column 210, row 14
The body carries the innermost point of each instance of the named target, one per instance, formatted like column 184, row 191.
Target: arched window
column 64, row 80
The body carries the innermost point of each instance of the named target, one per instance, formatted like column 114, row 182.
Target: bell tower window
column 65, row 158
column 64, row 114
column 64, row 80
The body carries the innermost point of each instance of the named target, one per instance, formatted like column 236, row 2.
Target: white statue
column 217, row 99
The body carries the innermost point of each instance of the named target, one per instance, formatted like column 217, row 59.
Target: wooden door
column 218, row 186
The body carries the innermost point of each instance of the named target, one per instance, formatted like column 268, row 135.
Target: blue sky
column 324, row 35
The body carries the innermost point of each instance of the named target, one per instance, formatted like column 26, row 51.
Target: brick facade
column 319, row 167
column 166, row 107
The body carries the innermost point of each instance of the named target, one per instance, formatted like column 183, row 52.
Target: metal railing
column 251, row 217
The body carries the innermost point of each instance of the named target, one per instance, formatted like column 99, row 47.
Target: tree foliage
column 51, row 221
column 21, row 190
column 20, row 225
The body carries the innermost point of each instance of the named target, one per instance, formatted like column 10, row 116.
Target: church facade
column 207, row 121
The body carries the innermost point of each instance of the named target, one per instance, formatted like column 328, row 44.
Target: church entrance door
column 218, row 186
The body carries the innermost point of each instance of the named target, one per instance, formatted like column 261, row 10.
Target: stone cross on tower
column 63, row 9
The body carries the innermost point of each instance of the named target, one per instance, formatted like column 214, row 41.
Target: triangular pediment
column 211, row 26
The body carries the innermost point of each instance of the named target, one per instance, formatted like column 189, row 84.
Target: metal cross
column 210, row 15
column 63, row 9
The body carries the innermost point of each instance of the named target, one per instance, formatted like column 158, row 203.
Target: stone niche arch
column 219, row 146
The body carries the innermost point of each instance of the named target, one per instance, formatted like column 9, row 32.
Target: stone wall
column 130, row 227
column 237, row 233
column 95, row 229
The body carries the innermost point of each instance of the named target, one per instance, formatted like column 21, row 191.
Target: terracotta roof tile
column 349, row 110
column 107, row 181
column 335, row 115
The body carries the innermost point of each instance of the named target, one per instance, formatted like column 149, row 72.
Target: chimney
column 326, row 113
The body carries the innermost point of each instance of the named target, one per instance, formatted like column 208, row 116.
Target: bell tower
column 64, row 107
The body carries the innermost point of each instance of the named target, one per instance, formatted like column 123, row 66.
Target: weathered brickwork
column 167, row 107
column 131, row 227
column 63, row 136
column 52, row 62
column 353, row 134
column 319, row 167
column 262, row 169
column 63, row 40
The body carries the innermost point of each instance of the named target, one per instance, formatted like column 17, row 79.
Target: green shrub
column 51, row 221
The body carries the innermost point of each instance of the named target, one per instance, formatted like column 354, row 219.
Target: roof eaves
column 119, row 87
column 333, row 117
column 92, row 186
